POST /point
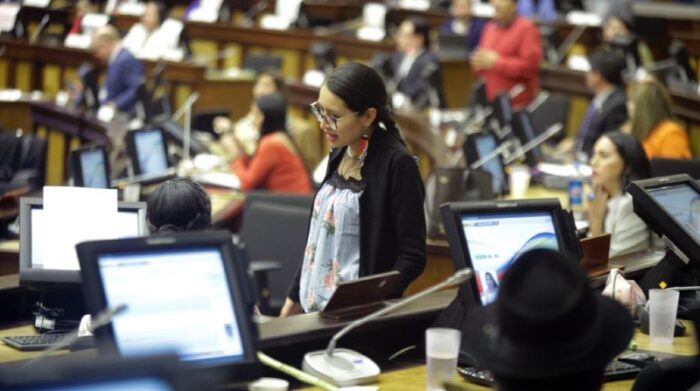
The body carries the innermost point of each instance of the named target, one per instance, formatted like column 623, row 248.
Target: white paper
column 420, row 5
column 78, row 41
column 92, row 22
column 8, row 16
column 565, row 170
column 221, row 179
column 135, row 9
column 580, row 18
column 483, row 10
column 274, row 22
column 73, row 215
column 37, row 3
column 374, row 15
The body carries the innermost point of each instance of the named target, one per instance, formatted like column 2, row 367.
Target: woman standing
column 367, row 216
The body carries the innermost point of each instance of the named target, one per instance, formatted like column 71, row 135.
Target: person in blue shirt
column 124, row 72
column 461, row 22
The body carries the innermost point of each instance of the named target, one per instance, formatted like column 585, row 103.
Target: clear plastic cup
column 441, row 352
column 519, row 180
column 663, row 304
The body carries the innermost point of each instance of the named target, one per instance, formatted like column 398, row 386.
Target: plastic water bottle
column 576, row 194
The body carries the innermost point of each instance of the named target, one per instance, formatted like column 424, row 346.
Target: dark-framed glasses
column 332, row 121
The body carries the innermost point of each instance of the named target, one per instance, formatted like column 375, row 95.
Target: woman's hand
column 597, row 207
column 290, row 307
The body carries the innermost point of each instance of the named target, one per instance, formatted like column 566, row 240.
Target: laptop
column 360, row 296
column 90, row 167
column 148, row 152
column 189, row 294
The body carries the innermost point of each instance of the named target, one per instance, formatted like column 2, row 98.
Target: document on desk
column 73, row 215
column 220, row 179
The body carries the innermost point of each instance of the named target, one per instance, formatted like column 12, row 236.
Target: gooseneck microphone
column 346, row 367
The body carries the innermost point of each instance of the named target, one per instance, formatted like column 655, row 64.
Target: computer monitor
column 488, row 236
column 479, row 145
column 155, row 373
column 502, row 110
column 670, row 206
column 90, row 167
column 524, row 130
column 189, row 294
column 37, row 267
column 148, row 151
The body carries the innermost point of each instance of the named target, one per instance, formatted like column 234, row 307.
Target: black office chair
column 262, row 61
column 22, row 162
column 274, row 230
column 664, row 167
column 203, row 120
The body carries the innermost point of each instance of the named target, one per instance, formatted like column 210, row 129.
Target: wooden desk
column 413, row 378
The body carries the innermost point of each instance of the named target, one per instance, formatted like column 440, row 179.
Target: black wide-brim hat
column 546, row 322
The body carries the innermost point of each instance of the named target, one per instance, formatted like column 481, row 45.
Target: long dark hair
column 361, row 88
column 178, row 205
column 636, row 163
column 274, row 110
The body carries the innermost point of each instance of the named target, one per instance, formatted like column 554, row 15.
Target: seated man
column 124, row 72
column 509, row 54
column 461, row 22
column 608, row 109
column 413, row 68
column 547, row 330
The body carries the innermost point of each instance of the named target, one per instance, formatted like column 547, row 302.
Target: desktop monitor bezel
column 500, row 101
column 471, row 153
column 452, row 212
column 238, row 280
column 77, row 166
column 53, row 278
column 132, row 151
column 534, row 155
column 656, row 217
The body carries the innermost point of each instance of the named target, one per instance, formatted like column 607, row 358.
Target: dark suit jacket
column 424, row 78
column 610, row 117
column 122, row 79
column 473, row 33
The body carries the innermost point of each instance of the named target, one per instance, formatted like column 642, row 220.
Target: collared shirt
column 407, row 63
column 601, row 97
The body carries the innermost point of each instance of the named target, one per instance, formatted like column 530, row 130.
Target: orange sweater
column 273, row 167
column 668, row 140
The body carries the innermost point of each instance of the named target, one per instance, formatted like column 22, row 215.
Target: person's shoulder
column 524, row 23
column 669, row 126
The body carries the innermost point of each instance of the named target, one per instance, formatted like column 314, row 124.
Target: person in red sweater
column 276, row 164
column 509, row 54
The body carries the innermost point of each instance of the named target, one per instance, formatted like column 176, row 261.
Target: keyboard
column 33, row 342
column 616, row 370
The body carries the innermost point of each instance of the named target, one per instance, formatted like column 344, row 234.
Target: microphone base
column 344, row 368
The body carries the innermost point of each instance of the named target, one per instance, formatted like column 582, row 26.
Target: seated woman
column 178, row 205
column 156, row 35
column 276, row 164
column 653, row 123
column 618, row 158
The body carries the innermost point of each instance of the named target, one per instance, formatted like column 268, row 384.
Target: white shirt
column 628, row 233
column 155, row 45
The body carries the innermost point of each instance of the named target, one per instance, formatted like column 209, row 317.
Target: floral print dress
column 332, row 250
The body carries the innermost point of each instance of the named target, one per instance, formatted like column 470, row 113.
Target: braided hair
column 178, row 205
column 361, row 88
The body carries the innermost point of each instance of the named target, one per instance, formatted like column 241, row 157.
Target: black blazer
column 611, row 117
column 392, row 225
column 422, row 79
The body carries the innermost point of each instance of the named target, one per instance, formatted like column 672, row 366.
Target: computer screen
column 524, row 130
column 37, row 265
column 682, row 202
column 491, row 256
column 90, row 167
column 479, row 145
column 187, row 310
column 189, row 294
column 502, row 110
column 141, row 384
column 489, row 236
column 670, row 206
column 148, row 152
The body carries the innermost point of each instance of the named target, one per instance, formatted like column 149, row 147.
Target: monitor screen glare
column 491, row 255
column 93, row 169
column 198, row 323
column 484, row 146
column 682, row 202
column 150, row 152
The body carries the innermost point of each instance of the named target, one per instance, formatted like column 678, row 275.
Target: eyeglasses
column 331, row 120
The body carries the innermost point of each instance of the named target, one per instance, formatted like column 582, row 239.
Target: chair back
column 665, row 167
